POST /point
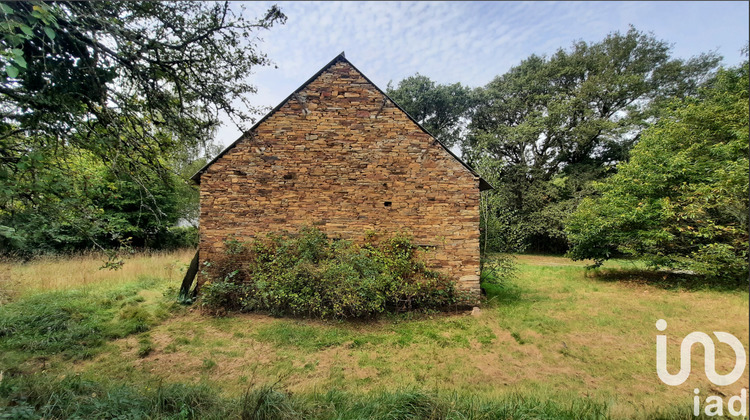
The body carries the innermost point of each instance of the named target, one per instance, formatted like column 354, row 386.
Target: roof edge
column 197, row 175
column 483, row 184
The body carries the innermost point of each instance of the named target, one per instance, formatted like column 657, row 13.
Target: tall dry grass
column 85, row 271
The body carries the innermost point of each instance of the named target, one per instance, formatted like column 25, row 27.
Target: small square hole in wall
column 387, row 203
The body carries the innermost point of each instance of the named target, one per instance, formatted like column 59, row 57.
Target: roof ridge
column 483, row 184
column 196, row 176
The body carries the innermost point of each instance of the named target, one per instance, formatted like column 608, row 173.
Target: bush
column 310, row 275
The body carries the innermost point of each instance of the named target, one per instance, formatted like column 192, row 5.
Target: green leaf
column 20, row 61
column 12, row 71
column 17, row 52
column 14, row 39
column 50, row 33
column 26, row 29
column 6, row 9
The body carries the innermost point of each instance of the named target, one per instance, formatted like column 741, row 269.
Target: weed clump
column 308, row 274
column 145, row 346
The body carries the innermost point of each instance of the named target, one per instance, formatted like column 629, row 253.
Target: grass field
column 556, row 342
column 85, row 271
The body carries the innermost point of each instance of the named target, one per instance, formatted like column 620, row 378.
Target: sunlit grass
column 556, row 333
column 85, row 271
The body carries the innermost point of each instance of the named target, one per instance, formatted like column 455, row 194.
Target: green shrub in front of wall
column 308, row 274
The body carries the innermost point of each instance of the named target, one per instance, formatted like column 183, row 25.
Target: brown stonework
column 340, row 155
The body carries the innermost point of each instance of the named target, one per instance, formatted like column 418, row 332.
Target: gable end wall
column 333, row 156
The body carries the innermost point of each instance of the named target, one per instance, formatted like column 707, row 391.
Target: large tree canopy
column 129, row 85
column 552, row 124
column 682, row 199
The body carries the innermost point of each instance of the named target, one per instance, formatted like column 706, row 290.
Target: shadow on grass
column 669, row 280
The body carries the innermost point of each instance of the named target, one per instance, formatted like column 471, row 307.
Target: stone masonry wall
column 341, row 156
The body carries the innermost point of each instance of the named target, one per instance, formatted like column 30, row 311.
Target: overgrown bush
column 310, row 275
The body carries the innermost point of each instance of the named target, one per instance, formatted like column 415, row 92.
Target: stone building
column 340, row 155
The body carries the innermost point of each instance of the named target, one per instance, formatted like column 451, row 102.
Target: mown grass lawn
column 557, row 341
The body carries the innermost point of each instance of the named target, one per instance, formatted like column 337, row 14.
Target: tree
column 552, row 125
column 440, row 109
column 682, row 199
column 91, row 205
column 125, row 84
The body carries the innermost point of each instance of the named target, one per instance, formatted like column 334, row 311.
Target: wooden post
column 185, row 296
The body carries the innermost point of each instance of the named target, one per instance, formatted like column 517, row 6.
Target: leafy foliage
column 125, row 88
column 546, row 129
column 440, row 109
column 498, row 269
column 125, row 72
column 91, row 205
column 310, row 275
column 682, row 199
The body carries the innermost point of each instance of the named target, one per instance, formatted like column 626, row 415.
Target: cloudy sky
column 469, row 42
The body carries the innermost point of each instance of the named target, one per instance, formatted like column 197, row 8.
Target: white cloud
column 469, row 42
